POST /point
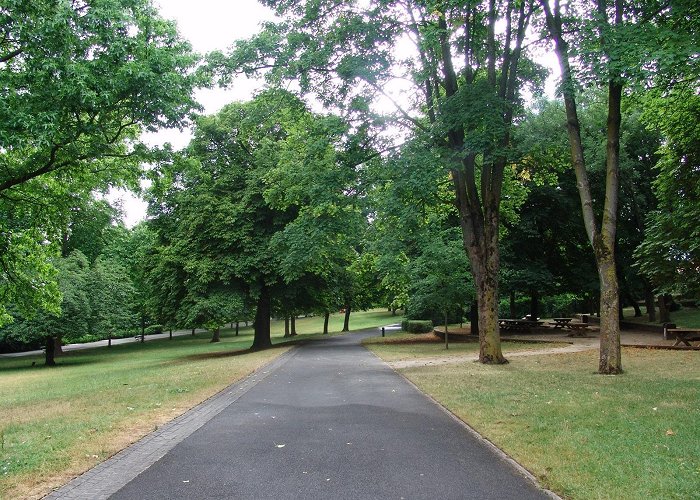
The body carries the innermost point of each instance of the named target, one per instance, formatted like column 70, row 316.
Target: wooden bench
column 577, row 329
column 683, row 336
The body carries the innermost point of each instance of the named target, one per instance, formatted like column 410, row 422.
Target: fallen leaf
column 670, row 433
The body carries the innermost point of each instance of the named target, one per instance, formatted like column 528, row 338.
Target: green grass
column 58, row 422
column 584, row 435
column 389, row 350
column 687, row 317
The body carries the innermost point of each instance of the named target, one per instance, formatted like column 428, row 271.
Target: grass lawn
column 583, row 435
column 393, row 350
column 687, row 317
column 57, row 422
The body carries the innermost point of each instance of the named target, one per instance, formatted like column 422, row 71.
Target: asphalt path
column 332, row 422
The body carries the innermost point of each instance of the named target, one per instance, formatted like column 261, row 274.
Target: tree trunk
column 489, row 332
column 346, row 322
column 326, row 317
column 293, row 324
column 193, row 329
column 171, row 333
column 602, row 238
column 50, row 347
column 664, row 313
column 512, row 304
column 58, row 346
column 649, row 301
column 236, row 328
column 109, row 340
column 610, row 360
column 447, row 343
column 143, row 328
column 261, row 325
column 216, row 335
column 474, row 319
column 534, row 305
column 286, row 326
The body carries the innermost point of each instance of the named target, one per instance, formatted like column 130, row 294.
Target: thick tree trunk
column 489, row 332
column 326, row 317
column 346, row 321
column 216, row 335
column 610, row 361
column 649, row 301
column 664, row 313
column 261, row 325
column 286, row 326
column 50, row 347
column 58, row 346
column 534, row 305
column 293, row 324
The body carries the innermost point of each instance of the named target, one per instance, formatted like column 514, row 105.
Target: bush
column 417, row 325
column 154, row 329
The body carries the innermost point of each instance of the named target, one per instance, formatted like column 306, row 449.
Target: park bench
column 683, row 336
column 577, row 329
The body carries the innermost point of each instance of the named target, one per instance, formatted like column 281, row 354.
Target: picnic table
column 561, row 322
column 683, row 335
column 577, row 329
column 517, row 324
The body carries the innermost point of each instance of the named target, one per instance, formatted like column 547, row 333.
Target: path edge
column 505, row 457
column 112, row 474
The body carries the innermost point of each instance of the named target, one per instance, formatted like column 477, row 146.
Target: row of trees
column 275, row 209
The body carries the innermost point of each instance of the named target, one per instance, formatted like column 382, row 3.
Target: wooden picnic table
column 577, row 329
column 683, row 335
column 517, row 324
column 561, row 322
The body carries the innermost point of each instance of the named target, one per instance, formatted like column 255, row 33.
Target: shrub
column 417, row 326
column 154, row 329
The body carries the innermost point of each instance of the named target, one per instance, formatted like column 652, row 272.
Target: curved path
column 328, row 420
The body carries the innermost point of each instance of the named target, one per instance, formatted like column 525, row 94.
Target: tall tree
column 236, row 212
column 613, row 38
column 465, row 75
column 79, row 80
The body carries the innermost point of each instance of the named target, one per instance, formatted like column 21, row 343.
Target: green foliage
column 670, row 253
column 79, row 82
column 417, row 326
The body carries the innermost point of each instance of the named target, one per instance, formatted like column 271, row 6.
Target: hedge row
column 417, row 325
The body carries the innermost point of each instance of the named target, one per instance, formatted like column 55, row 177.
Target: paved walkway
column 103, row 343
column 326, row 420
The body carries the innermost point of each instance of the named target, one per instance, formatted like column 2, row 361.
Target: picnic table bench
column 683, row 336
column 577, row 329
column 561, row 322
column 517, row 324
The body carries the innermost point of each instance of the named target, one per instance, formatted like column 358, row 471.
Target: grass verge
column 584, row 435
column 58, row 422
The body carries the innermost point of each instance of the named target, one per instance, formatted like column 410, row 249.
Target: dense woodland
column 476, row 197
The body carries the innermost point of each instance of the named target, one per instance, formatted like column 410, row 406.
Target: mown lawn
column 57, row 422
column 582, row 434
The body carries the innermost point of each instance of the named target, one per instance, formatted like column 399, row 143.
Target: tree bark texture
column 50, row 346
column 261, row 339
column 216, row 335
column 346, row 321
column 293, row 326
column 326, row 317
